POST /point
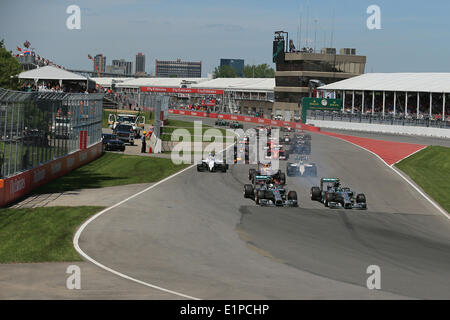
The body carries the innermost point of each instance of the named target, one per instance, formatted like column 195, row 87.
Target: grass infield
column 430, row 169
column 113, row 169
column 41, row 234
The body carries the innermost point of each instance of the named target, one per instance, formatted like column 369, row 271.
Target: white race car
column 212, row 164
column 301, row 168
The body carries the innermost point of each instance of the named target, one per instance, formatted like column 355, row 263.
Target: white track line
column 85, row 224
column 441, row 210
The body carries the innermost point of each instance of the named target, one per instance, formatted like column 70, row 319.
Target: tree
column 9, row 69
column 258, row 71
column 225, row 72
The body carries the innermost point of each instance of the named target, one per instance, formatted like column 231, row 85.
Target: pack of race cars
column 267, row 185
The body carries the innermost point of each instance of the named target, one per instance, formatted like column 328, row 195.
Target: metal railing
column 37, row 127
column 378, row 118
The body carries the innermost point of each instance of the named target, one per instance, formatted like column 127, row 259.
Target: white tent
column 400, row 82
column 159, row 82
column 238, row 84
column 51, row 73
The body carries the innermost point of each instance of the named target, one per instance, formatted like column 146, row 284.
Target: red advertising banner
column 83, row 139
column 181, row 90
column 15, row 187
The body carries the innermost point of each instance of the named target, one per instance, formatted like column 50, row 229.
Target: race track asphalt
column 197, row 235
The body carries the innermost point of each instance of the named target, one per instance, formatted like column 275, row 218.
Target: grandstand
column 407, row 95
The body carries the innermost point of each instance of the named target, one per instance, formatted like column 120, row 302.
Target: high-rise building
column 128, row 65
column 178, row 68
column 100, row 61
column 237, row 64
column 140, row 63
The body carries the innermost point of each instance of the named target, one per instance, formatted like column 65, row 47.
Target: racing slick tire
column 315, row 193
column 248, row 191
column 282, row 179
column 361, row 198
column 292, row 195
column 260, row 194
column 329, row 197
column 200, row 168
column 251, row 174
column 223, row 168
column 269, row 195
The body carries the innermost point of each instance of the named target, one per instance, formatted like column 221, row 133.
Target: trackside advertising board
column 319, row 104
column 17, row 186
column 181, row 90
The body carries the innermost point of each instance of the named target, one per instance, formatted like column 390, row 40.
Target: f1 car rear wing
column 328, row 180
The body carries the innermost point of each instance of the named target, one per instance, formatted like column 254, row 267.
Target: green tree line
column 249, row 71
column 9, row 69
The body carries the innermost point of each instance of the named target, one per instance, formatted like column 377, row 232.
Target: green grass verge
column 172, row 125
column 113, row 169
column 430, row 169
column 41, row 234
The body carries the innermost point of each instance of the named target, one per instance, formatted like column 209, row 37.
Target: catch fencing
column 37, row 127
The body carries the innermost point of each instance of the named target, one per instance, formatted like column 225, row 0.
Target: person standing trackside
column 144, row 142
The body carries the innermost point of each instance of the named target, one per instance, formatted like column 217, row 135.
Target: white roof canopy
column 107, row 82
column 51, row 73
column 404, row 82
column 239, row 84
column 158, row 82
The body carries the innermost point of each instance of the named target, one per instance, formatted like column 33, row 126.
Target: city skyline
column 208, row 31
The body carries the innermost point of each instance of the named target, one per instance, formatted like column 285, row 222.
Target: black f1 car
column 236, row 125
column 266, row 169
column 265, row 193
column 335, row 196
column 221, row 122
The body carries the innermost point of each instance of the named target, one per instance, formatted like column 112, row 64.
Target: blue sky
column 415, row 35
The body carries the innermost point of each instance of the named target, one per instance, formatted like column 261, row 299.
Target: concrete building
column 128, row 65
column 100, row 61
column 119, row 70
column 178, row 68
column 237, row 64
column 295, row 70
column 139, row 63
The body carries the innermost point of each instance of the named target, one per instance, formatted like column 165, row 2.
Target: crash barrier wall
column 38, row 127
column 17, row 186
column 261, row 121
column 383, row 128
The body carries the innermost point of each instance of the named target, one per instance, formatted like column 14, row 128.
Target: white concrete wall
column 382, row 128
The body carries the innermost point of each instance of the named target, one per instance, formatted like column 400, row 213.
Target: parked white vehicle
column 134, row 120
